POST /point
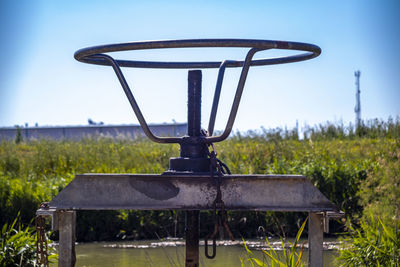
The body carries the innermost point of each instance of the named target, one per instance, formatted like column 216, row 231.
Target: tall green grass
column 355, row 172
column 289, row 258
column 17, row 245
column 373, row 244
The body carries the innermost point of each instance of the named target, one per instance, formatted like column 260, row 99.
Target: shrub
column 17, row 246
column 380, row 193
column 374, row 244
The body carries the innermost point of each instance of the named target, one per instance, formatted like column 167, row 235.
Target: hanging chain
column 41, row 243
column 220, row 218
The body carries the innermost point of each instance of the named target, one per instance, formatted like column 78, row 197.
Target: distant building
column 79, row 132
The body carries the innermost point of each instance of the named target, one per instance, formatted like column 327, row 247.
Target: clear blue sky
column 40, row 81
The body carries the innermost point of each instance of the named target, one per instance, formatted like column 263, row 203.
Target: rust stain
column 155, row 189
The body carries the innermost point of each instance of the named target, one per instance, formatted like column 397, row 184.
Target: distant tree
column 18, row 136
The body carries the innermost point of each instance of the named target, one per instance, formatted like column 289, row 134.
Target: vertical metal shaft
column 192, row 238
column 194, row 103
column 194, row 129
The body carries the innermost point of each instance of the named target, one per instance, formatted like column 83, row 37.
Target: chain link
column 220, row 218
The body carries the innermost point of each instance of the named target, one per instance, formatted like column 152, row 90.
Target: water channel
column 171, row 253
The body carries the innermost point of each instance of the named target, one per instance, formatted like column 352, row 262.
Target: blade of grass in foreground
column 290, row 258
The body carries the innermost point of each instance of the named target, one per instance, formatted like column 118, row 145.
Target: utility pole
column 357, row 108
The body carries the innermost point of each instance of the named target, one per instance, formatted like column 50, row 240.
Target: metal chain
column 41, row 243
column 220, row 218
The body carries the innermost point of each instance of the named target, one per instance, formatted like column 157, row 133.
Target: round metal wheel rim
column 87, row 55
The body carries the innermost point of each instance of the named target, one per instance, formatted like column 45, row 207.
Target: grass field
column 356, row 170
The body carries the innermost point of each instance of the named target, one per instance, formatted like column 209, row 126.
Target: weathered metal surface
column 193, row 151
column 194, row 103
column 159, row 192
column 49, row 213
column 315, row 239
column 66, row 248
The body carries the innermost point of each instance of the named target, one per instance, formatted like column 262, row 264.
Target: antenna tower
column 357, row 108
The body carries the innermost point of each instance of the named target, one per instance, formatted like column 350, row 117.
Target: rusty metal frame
column 95, row 55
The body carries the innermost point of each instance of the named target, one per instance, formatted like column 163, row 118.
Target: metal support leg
column 315, row 239
column 66, row 251
column 192, row 238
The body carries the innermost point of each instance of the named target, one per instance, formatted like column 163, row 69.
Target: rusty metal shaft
column 192, row 238
column 193, row 151
column 194, row 103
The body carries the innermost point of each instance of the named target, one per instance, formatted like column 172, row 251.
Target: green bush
column 17, row 246
column 374, row 244
column 380, row 193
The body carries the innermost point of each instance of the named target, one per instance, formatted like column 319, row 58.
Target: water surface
column 171, row 253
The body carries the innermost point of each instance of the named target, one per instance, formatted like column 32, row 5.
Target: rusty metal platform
column 180, row 192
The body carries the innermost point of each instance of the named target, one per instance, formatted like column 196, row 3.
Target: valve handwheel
column 196, row 161
column 96, row 55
